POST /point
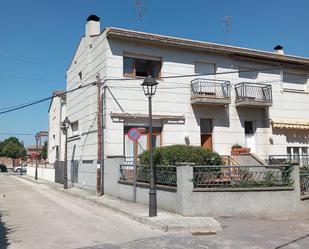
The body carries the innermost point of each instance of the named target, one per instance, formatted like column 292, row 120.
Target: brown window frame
column 133, row 74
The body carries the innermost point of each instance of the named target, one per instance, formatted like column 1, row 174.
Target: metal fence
column 241, row 176
column 254, row 92
column 164, row 175
column 213, row 88
column 304, row 183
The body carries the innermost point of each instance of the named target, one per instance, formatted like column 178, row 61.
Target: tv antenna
column 228, row 24
column 139, row 4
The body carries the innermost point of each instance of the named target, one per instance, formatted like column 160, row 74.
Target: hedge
column 170, row 155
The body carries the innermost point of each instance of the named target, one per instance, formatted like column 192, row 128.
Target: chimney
column 279, row 49
column 92, row 25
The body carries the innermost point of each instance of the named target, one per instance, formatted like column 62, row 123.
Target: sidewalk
column 165, row 221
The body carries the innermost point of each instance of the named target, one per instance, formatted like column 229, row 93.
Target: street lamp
column 150, row 86
column 37, row 137
column 65, row 126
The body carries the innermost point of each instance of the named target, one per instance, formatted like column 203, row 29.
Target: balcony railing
column 301, row 160
column 215, row 92
column 253, row 94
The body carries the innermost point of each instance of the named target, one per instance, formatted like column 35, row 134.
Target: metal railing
column 301, row 160
column 304, row 183
column 165, row 175
column 210, row 88
column 253, row 91
column 242, row 177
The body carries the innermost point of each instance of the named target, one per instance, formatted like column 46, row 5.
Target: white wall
column 56, row 136
column 47, row 174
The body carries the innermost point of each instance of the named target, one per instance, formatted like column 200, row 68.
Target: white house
column 208, row 95
column 56, row 138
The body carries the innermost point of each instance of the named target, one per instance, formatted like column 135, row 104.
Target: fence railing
column 304, row 184
column 301, row 160
column 210, row 88
column 253, row 92
column 165, row 175
column 241, row 177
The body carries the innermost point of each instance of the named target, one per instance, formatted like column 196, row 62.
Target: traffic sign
column 134, row 134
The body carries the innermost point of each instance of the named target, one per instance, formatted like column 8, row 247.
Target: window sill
column 295, row 91
column 139, row 77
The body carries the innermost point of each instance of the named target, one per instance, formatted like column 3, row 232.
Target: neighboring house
column 31, row 152
column 56, row 137
column 254, row 98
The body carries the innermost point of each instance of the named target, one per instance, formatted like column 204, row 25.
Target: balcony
column 253, row 95
column 210, row 92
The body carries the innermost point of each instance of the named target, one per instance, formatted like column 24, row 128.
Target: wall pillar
column 184, row 188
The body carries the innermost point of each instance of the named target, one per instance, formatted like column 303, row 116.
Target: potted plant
column 238, row 149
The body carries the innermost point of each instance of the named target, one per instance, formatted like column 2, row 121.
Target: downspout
column 103, row 122
column 60, row 121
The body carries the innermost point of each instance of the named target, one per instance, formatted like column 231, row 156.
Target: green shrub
column 170, row 155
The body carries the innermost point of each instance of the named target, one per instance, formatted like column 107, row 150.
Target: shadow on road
column 3, row 234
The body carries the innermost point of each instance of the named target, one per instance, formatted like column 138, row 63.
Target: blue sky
column 38, row 39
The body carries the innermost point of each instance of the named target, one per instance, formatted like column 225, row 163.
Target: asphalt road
column 35, row 216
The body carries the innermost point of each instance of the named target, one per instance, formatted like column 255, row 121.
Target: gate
column 74, row 171
column 59, row 172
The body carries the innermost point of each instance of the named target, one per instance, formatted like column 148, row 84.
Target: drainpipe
column 103, row 123
column 281, row 77
column 99, row 130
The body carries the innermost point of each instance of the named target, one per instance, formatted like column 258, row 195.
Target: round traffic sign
column 134, row 134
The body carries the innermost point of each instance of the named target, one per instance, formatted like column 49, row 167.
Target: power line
column 16, row 134
column 26, row 61
column 18, row 107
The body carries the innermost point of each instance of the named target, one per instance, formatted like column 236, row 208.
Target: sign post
column 134, row 135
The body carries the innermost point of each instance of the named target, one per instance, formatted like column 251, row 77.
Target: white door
column 250, row 135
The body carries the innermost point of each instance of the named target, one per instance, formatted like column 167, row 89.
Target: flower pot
column 242, row 150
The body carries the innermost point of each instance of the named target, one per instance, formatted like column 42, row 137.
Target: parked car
column 3, row 168
column 19, row 168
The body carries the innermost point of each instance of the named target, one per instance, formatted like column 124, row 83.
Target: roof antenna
column 139, row 4
column 228, row 24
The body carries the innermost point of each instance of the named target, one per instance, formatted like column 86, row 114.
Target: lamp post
column 37, row 137
column 65, row 126
column 150, row 86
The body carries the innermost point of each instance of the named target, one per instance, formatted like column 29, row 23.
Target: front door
column 206, row 133
column 250, row 135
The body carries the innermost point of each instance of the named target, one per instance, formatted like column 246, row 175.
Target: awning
column 290, row 124
column 142, row 115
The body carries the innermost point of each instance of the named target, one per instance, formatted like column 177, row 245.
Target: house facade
column 209, row 95
column 56, row 137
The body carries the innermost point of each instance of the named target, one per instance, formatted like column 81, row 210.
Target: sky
column 38, row 39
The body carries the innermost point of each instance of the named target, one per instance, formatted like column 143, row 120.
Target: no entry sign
column 134, row 134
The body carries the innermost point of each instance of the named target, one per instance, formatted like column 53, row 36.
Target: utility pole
column 37, row 136
column 100, row 178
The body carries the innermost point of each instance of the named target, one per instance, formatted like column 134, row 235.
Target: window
column 247, row 73
column 143, row 143
column 294, row 81
column 205, row 126
column 138, row 67
column 248, row 127
column 74, row 127
column 209, row 69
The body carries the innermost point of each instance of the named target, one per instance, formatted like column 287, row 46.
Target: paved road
column 34, row 216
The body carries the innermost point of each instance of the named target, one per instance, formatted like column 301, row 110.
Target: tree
column 13, row 149
column 43, row 153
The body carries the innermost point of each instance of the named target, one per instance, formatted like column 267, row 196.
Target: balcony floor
column 252, row 103
column 205, row 100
